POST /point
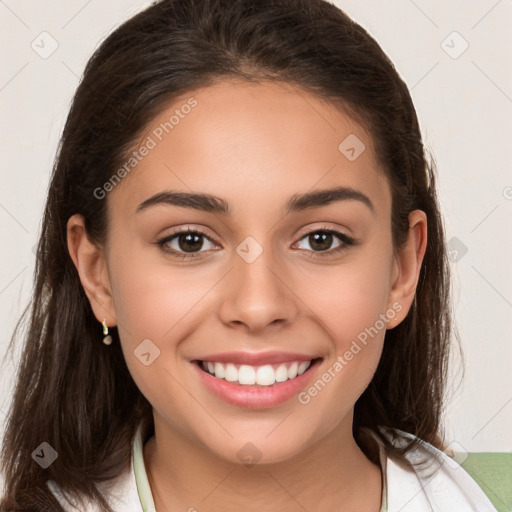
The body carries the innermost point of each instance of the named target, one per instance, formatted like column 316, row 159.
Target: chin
column 256, row 451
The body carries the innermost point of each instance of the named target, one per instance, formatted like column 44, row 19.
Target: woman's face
column 265, row 289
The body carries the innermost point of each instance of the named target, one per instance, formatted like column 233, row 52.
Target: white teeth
column 303, row 367
column 219, row 370
column 231, row 373
column 265, row 376
column 247, row 375
column 292, row 371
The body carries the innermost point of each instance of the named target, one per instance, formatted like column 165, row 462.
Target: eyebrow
column 298, row 202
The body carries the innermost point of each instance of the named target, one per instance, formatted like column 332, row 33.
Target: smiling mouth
column 264, row 375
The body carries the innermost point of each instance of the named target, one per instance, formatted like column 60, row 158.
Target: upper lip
column 256, row 358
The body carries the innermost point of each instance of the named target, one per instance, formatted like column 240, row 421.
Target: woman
column 241, row 204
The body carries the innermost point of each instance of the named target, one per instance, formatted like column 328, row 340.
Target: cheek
column 153, row 305
column 157, row 306
column 152, row 298
column 350, row 298
column 351, row 305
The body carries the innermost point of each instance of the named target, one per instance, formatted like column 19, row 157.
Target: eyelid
column 188, row 229
column 324, row 228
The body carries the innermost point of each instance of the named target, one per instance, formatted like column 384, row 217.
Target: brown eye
column 190, row 242
column 184, row 244
column 321, row 240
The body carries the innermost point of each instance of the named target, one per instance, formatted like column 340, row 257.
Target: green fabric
column 493, row 473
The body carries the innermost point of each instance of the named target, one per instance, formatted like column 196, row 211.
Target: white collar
column 433, row 482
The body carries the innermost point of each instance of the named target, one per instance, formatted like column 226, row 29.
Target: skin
column 254, row 145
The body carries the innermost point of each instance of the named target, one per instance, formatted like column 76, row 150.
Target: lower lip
column 256, row 397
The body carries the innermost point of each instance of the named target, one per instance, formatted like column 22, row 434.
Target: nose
column 257, row 295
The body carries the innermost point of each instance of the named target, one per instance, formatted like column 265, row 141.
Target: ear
column 90, row 262
column 407, row 266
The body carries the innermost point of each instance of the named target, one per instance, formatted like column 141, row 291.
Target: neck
column 331, row 474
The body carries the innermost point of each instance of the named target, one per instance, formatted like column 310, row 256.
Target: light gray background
column 463, row 100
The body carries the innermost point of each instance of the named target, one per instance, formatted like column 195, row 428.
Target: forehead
column 253, row 144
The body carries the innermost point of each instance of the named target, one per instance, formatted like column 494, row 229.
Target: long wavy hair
column 77, row 394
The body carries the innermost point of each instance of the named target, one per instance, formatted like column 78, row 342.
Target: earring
column 107, row 339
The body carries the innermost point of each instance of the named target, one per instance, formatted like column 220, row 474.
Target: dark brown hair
column 77, row 394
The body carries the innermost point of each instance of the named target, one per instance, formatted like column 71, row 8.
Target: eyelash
column 346, row 240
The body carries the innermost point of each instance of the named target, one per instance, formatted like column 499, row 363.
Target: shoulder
column 120, row 493
column 429, row 479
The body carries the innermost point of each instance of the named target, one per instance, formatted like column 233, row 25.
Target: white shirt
column 440, row 485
